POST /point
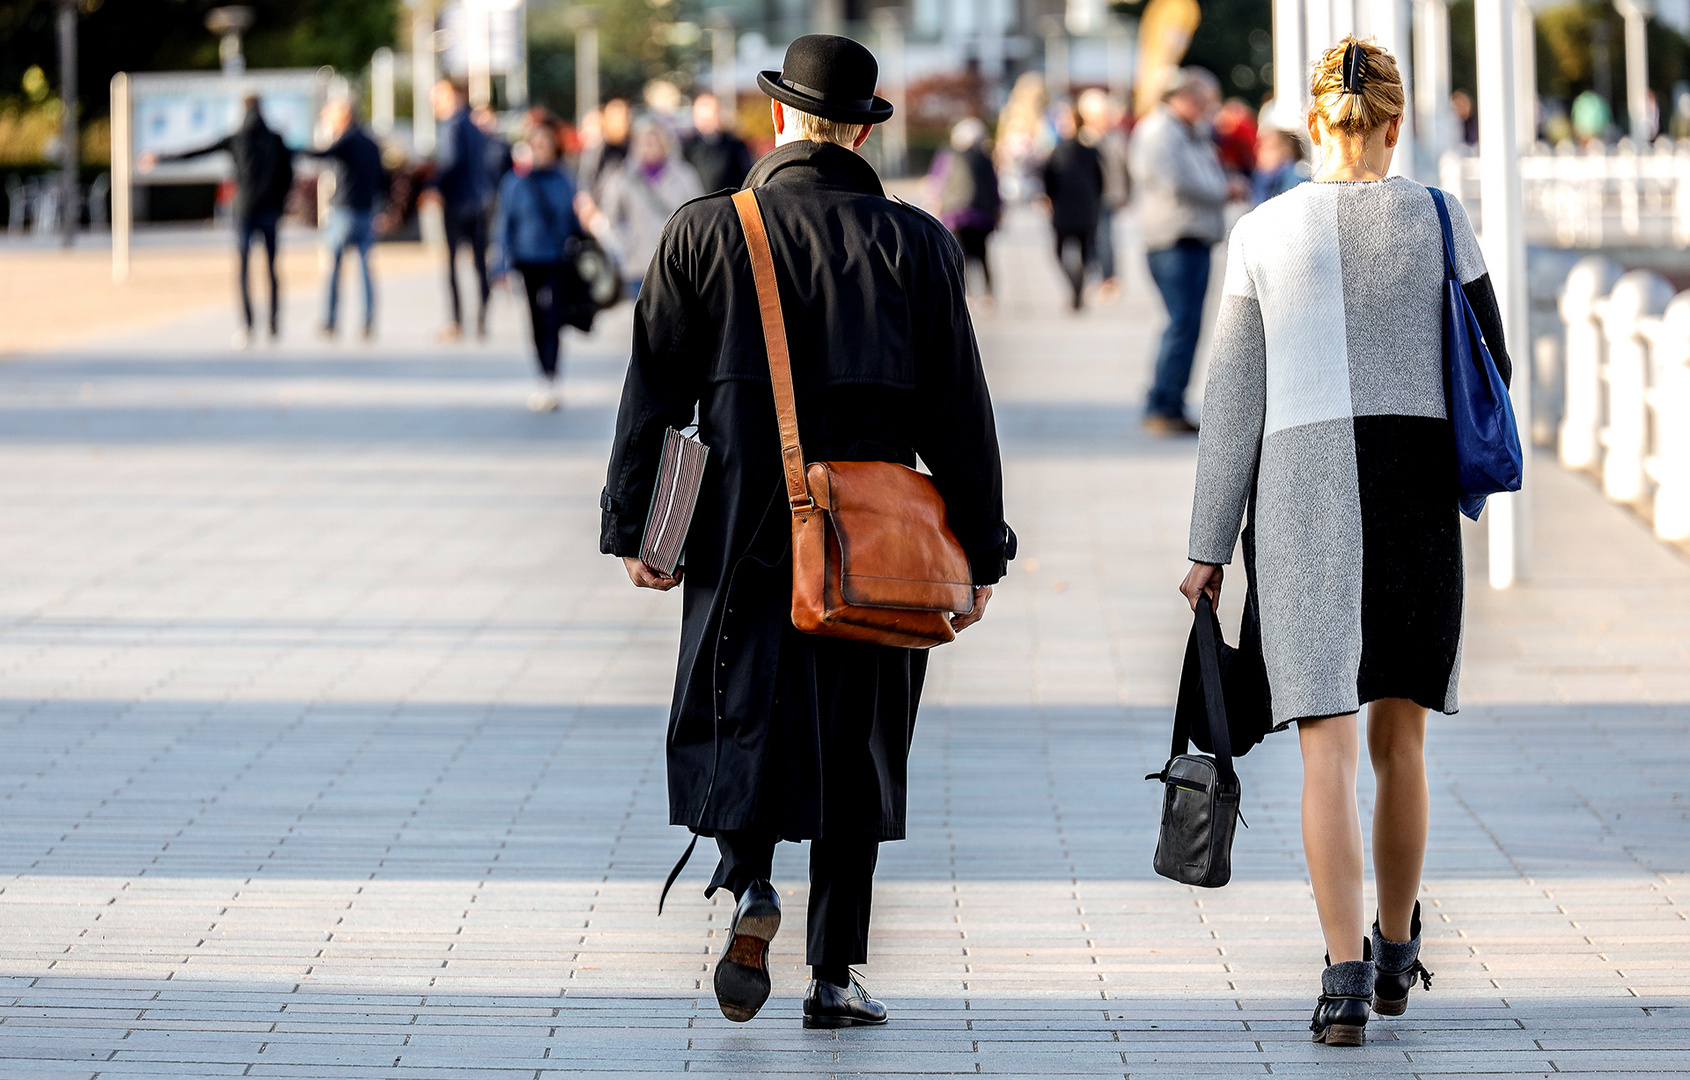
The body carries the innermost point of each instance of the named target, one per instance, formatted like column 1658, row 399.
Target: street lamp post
column 1636, row 14
column 422, row 75
column 70, row 201
column 586, row 63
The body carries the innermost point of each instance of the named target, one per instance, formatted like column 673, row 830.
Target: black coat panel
column 1074, row 181
column 771, row 728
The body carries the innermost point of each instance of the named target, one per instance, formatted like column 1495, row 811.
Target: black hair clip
column 1354, row 67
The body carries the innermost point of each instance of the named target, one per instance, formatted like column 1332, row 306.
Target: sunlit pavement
column 332, row 748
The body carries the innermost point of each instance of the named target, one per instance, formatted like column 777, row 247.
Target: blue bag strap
column 1449, row 234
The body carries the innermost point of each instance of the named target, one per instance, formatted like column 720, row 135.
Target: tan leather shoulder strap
column 774, row 338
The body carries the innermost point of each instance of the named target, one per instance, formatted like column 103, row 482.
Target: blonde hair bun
column 1378, row 101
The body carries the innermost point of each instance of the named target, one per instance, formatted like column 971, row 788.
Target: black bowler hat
column 831, row 77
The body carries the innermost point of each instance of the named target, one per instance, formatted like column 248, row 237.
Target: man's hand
column 147, row 162
column 1203, row 578
column 429, row 197
column 647, row 578
column 959, row 623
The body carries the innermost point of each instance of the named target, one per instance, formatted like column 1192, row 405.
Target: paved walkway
column 332, row 749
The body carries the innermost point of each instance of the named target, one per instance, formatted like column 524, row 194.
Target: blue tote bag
column 1487, row 442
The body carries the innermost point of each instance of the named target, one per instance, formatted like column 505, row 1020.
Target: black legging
column 262, row 225
column 544, row 283
column 1074, row 267
column 467, row 226
column 973, row 241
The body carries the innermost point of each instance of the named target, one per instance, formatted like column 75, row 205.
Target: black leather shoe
column 1346, row 995
column 830, row 1006
column 742, row 974
column 1397, row 965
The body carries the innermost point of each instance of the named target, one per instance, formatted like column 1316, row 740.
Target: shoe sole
column 840, row 1022
column 742, row 975
column 1385, row 1007
column 1343, row 1035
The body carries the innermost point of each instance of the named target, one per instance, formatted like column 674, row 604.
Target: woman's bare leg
column 1332, row 830
column 1396, row 741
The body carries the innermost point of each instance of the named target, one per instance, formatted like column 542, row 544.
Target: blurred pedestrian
column 720, row 157
column 263, row 178
column 535, row 229
column 776, row 734
column 638, row 199
column 464, row 188
column 606, row 150
column 964, row 186
column 1326, row 417
column 359, row 180
column 1100, row 126
column 1280, row 165
column 499, row 160
column 1073, row 178
column 1592, row 119
column 1235, row 138
column 1467, row 118
column 1182, row 192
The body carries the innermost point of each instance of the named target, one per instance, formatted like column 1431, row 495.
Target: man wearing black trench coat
column 775, row 734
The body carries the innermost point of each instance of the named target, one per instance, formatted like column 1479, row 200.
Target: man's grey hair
column 817, row 129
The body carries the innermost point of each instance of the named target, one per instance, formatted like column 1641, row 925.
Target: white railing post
column 1636, row 295
column 1668, row 464
column 1581, row 417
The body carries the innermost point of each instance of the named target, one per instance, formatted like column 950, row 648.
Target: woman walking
column 1325, row 414
column 535, row 230
column 640, row 196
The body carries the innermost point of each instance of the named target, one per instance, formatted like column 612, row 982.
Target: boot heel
column 1386, row 1007
column 827, row 1021
column 1345, row 1035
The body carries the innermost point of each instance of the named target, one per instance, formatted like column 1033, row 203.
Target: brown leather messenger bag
column 873, row 558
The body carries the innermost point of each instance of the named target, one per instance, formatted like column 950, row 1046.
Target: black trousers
column 260, row 226
column 1074, row 262
column 467, row 226
column 544, row 284
column 973, row 242
column 841, row 889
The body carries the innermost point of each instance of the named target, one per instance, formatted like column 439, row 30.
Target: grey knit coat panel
column 1324, row 415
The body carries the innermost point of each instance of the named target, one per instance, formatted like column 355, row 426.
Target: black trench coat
column 771, row 728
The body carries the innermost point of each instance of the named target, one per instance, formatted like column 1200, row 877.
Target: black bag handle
column 1214, row 694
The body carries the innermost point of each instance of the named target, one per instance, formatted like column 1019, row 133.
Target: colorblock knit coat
column 1325, row 415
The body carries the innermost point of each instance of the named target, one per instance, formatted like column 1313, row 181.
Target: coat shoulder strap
column 774, row 339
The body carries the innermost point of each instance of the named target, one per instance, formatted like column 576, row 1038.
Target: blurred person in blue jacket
column 359, row 183
column 535, row 232
column 1280, row 165
column 464, row 185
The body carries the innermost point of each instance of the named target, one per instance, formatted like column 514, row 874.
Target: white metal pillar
column 1388, row 22
column 894, row 134
column 381, row 91
column 724, row 69
column 1503, row 241
column 422, row 76
column 122, row 177
column 1290, row 66
column 1431, row 81
column 478, row 52
column 586, row 68
column 1525, row 75
column 1636, row 14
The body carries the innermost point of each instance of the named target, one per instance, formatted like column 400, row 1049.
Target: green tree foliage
column 639, row 40
column 1234, row 40
column 165, row 35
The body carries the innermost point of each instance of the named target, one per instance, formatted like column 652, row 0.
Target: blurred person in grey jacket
column 1100, row 126
column 1182, row 194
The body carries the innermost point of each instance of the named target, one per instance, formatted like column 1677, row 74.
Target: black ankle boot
column 1397, row 964
column 1346, row 991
